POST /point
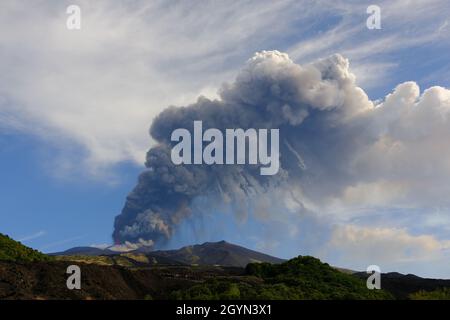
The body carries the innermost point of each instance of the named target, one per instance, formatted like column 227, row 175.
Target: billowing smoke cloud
column 338, row 149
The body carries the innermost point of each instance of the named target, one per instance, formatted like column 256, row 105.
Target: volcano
column 220, row 253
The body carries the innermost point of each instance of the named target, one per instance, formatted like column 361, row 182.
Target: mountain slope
column 11, row 250
column 84, row 251
column 216, row 253
column 403, row 285
column 296, row 279
column 299, row 278
column 170, row 274
column 209, row 253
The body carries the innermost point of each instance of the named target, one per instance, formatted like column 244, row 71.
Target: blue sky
column 52, row 213
column 75, row 106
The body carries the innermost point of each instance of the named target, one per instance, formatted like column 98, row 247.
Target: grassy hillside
column 11, row 250
column 439, row 294
column 298, row 278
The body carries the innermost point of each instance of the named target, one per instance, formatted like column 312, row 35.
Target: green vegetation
column 99, row 260
column 439, row 294
column 11, row 250
column 298, row 278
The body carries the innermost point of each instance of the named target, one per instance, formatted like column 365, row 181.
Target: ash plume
column 332, row 139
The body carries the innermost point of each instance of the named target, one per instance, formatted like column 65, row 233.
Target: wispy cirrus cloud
column 98, row 88
column 405, row 25
column 33, row 236
column 59, row 243
column 93, row 93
